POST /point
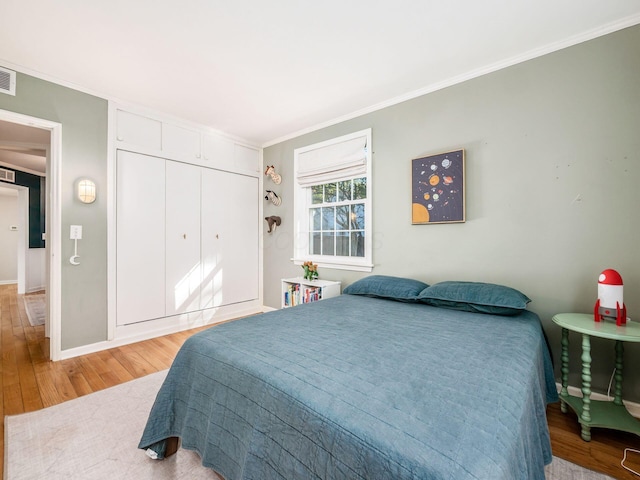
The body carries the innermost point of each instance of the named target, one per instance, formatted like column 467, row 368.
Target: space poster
column 437, row 183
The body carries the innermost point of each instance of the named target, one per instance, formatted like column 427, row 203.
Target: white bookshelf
column 296, row 291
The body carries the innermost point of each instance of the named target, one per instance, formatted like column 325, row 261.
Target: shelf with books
column 296, row 291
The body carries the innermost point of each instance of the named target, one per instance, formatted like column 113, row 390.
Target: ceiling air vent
column 7, row 175
column 7, row 81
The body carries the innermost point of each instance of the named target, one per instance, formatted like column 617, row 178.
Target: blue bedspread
column 355, row 387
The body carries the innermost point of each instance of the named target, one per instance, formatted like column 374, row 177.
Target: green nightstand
column 594, row 413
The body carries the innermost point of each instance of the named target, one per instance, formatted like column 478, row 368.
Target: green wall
column 552, row 168
column 84, row 154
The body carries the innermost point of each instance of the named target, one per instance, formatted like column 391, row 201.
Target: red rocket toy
column 609, row 303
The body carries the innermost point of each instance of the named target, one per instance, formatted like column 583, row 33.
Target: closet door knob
column 184, row 235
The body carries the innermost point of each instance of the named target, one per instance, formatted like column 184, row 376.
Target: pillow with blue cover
column 475, row 297
column 384, row 286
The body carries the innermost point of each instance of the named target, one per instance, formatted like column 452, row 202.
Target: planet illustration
column 420, row 214
column 437, row 188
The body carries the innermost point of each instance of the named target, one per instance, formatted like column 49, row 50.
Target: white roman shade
column 323, row 163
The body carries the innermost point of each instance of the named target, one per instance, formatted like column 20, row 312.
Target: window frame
column 302, row 203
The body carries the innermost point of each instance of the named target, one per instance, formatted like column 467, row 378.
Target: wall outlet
column 76, row 232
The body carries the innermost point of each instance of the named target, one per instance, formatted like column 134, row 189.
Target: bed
column 378, row 383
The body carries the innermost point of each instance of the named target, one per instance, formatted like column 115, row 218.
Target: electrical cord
column 610, row 382
column 624, row 458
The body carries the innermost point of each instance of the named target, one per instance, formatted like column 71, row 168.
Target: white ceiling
column 24, row 147
column 265, row 70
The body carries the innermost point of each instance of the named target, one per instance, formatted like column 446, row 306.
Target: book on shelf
column 297, row 295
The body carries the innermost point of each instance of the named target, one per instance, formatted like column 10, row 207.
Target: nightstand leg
column 565, row 368
column 586, row 387
column 617, row 399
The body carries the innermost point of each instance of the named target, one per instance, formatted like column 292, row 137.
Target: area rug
column 35, row 306
column 95, row 437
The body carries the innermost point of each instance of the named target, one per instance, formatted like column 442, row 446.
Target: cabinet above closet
column 153, row 136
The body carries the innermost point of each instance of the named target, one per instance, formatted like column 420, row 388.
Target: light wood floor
column 28, row 381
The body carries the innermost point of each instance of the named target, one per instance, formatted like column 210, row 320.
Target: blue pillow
column 383, row 286
column 475, row 297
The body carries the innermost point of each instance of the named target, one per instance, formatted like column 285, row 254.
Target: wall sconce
column 86, row 191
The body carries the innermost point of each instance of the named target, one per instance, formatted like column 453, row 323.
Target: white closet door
column 140, row 223
column 217, row 152
column 181, row 142
column 138, row 130
column 241, row 243
column 247, row 160
column 212, row 229
column 182, row 238
column 229, row 238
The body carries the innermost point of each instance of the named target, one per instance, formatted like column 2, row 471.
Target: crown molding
column 529, row 55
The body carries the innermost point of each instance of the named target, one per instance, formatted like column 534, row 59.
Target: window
column 336, row 218
column 332, row 203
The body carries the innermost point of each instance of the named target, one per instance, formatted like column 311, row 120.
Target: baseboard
column 268, row 309
column 36, row 289
column 8, row 282
column 632, row 407
column 146, row 330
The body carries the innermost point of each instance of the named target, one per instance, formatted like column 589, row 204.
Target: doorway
column 14, row 240
column 30, row 148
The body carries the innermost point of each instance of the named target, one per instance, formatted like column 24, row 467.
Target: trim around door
column 53, row 223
